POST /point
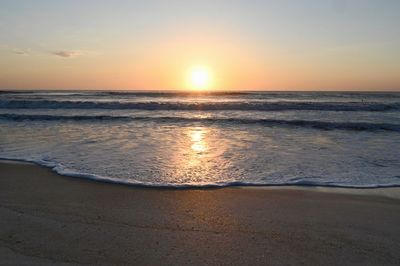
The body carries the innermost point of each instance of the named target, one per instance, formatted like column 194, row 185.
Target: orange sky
column 263, row 46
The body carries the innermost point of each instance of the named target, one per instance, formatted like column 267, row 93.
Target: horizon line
column 200, row 91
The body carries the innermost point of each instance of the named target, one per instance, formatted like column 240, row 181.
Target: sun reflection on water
column 198, row 157
column 198, row 140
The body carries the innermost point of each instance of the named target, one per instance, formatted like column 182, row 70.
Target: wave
column 302, row 182
column 27, row 117
column 203, row 106
column 324, row 125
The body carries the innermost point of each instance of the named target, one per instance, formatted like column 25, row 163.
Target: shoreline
column 385, row 191
column 52, row 219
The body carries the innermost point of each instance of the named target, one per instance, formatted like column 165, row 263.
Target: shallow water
column 176, row 139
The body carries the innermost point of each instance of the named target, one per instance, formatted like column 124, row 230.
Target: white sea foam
column 202, row 148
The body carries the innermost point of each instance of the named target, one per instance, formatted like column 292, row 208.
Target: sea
column 207, row 139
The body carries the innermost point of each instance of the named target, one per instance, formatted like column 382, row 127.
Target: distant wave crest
column 324, row 125
column 204, row 106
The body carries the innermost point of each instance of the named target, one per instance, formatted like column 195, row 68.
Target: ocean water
column 208, row 139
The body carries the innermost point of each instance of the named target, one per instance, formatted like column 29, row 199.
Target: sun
column 200, row 78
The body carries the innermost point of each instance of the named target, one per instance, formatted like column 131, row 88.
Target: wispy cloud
column 65, row 54
column 21, row 51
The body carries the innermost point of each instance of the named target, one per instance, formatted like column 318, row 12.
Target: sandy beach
column 48, row 219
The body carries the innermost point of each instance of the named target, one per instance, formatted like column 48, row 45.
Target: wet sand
column 48, row 219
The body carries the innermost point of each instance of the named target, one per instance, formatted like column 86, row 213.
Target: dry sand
column 49, row 219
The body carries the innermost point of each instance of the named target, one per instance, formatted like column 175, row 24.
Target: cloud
column 65, row 54
column 21, row 51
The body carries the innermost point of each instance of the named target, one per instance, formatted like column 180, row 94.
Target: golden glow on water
column 199, row 156
column 198, row 140
column 195, row 158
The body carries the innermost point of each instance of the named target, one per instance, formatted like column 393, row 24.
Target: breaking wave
column 203, row 106
column 324, row 125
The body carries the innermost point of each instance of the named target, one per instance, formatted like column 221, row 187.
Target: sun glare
column 199, row 78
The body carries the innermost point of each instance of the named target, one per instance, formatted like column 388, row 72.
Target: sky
column 244, row 45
